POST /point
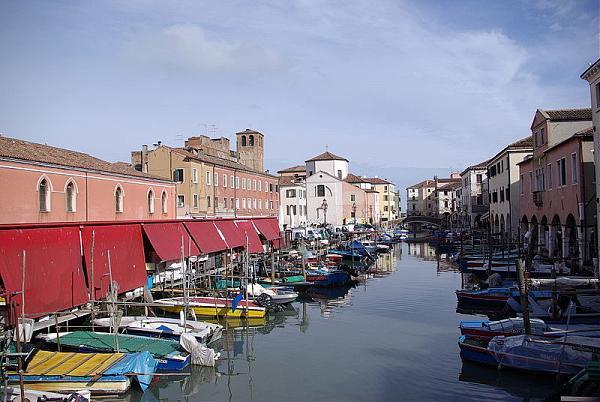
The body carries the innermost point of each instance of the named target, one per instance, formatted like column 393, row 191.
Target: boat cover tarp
column 142, row 364
column 54, row 277
column 516, row 325
column 253, row 241
column 166, row 239
column 232, row 234
column 566, row 355
column 127, row 260
column 206, row 236
column 269, row 228
column 105, row 342
column 201, row 355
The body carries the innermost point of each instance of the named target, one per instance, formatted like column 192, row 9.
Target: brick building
column 211, row 179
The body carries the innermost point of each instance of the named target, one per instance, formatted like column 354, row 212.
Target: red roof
column 232, row 234
column 206, row 236
column 127, row 263
column 54, row 277
column 269, row 228
column 166, row 240
column 251, row 239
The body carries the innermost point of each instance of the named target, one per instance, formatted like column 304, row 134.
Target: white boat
column 13, row 394
column 160, row 327
column 278, row 295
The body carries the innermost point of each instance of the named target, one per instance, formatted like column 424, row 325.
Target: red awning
column 206, row 236
column 232, row 234
column 166, row 240
column 127, row 261
column 254, row 243
column 269, row 228
column 54, row 277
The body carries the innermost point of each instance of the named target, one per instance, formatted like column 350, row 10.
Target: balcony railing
column 538, row 198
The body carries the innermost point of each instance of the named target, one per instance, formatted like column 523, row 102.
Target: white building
column 503, row 187
column 474, row 191
column 292, row 197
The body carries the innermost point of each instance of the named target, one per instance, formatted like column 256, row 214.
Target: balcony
column 538, row 198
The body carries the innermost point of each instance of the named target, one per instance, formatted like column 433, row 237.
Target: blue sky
column 404, row 89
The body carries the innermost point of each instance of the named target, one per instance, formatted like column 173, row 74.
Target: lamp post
column 324, row 208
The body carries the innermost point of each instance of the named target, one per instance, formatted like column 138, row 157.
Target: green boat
column 165, row 351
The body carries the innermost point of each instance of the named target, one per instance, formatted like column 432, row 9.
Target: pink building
column 48, row 184
column 557, row 186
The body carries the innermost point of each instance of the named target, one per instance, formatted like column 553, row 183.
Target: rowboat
column 165, row 352
column 565, row 355
column 213, row 307
column 475, row 350
column 99, row 373
column 160, row 327
column 511, row 326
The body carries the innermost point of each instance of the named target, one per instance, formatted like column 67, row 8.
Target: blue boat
column 347, row 254
column 358, row 247
column 322, row 278
column 475, row 350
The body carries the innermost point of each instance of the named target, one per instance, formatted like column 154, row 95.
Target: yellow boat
column 213, row 307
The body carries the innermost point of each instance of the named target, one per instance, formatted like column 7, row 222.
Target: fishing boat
column 494, row 296
column 168, row 328
column 99, row 373
column 475, row 350
column 511, row 326
column 213, row 307
column 328, row 278
column 564, row 355
column 576, row 309
column 165, row 352
column 373, row 247
column 278, row 295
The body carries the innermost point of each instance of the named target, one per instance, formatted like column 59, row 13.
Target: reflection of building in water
column 387, row 262
column 423, row 250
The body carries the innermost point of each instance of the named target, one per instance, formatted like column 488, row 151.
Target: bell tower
column 250, row 148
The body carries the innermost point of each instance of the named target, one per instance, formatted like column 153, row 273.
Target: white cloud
column 187, row 47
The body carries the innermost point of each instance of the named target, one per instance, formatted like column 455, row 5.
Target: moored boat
column 161, row 327
column 213, row 307
column 165, row 352
column 278, row 295
column 475, row 350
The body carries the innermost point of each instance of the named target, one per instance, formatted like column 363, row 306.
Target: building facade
column 292, row 194
column 419, row 199
column 557, row 189
column 503, row 187
column 474, row 192
column 212, row 180
column 49, row 184
column 592, row 76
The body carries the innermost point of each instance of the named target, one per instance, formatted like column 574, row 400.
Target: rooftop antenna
column 212, row 129
column 326, row 148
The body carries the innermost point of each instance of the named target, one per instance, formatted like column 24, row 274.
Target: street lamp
column 324, row 208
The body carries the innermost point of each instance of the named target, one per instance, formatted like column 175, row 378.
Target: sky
column 403, row 89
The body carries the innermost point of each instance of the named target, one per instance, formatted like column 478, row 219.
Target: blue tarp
column 142, row 364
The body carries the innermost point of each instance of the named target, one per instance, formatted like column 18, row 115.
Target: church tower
column 251, row 150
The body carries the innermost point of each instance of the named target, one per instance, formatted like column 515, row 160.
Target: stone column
column 552, row 240
column 565, row 241
column 582, row 247
column 541, row 237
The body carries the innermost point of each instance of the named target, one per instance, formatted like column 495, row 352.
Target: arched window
column 119, row 199
column 44, row 194
column 151, row 202
column 71, row 195
column 243, row 140
column 163, row 201
column 251, row 140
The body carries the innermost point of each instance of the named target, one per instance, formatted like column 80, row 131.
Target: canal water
column 392, row 337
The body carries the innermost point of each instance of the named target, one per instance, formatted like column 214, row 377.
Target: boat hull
column 475, row 352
